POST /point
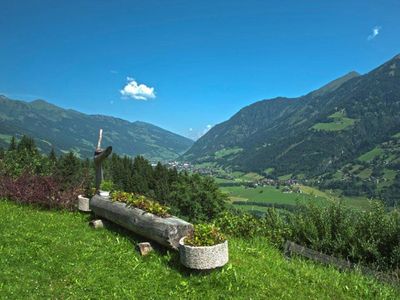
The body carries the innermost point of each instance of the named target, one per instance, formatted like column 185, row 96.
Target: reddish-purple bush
column 44, row 191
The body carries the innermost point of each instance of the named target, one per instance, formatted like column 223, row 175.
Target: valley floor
column 255, row 198
column 50, row 254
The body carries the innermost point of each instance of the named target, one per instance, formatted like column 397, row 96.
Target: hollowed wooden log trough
column 165, row 231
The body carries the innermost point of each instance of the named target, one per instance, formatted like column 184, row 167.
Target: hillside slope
column 310, row 135
column 72, row 130
column 52, row 254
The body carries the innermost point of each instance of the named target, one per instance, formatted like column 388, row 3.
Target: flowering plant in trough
column 142, row 202
column 205, row 249
column 205, row 235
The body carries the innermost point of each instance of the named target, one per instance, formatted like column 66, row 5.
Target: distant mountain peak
column 39, row 101
column 334, row 84
column 43, row 104
column 352, row 74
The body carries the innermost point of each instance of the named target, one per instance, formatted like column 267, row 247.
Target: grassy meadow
column 272, row 195
column 338, row 121
column 53, row 254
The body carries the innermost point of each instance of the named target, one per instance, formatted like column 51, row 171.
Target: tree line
column 191, row 196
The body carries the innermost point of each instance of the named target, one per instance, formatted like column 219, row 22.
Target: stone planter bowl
column 83, row 204
column 203, row 257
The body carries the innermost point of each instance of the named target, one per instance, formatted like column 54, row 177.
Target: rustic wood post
column 99, row 156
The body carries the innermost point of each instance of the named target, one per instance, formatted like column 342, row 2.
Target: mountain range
column 344, row 135
column 66, row 129
column 312, row 135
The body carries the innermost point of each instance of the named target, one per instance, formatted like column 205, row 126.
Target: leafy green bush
column 15, row 163
column 205, row 235
column 141, row 202
column 89, row 192
column 368, row 237
column 244, row 225
column 107, row 185
column 240, row 224
column 26, row 176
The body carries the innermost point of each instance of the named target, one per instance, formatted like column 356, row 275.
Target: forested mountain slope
column 314, row 134
column 66, row 129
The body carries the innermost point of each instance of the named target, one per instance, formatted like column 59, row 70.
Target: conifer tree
column 52, row 155
column 69, row 170
column 13, row 144
column 28, row 144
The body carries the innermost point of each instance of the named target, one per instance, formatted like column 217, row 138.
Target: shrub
column 273, row 225
column 205, row 235
column 43, row 191
column 195, row 197
column 14, row 163
column 107, row 185
column 369, row 237
column 239, row 224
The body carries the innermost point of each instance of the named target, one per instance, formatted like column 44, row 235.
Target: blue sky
column 186, row 65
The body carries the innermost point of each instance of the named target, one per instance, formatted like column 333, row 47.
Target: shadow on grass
column 175, row 264
column 170, row 257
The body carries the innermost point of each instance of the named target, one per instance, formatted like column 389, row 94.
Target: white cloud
column 208, row 127
column 197, row 133
column 375, row 32
column 138, row 91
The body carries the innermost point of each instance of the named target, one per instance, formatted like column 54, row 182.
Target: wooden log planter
column 165, row 231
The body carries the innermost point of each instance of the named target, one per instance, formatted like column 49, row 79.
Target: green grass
column 339, row 122
column 222, row 180
column 268, row 194
column 370, row 155
column 357, row 202
column 365, row 174
column 227, row 152
column 237, row 174
column 336, row 125
column 57, row 255
column 269, row 170
column 285, row 177
column 5, row 137
column 242, row 177
column 252, row 208
column 388, row 178
column 252, row 176
column 389, row 174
